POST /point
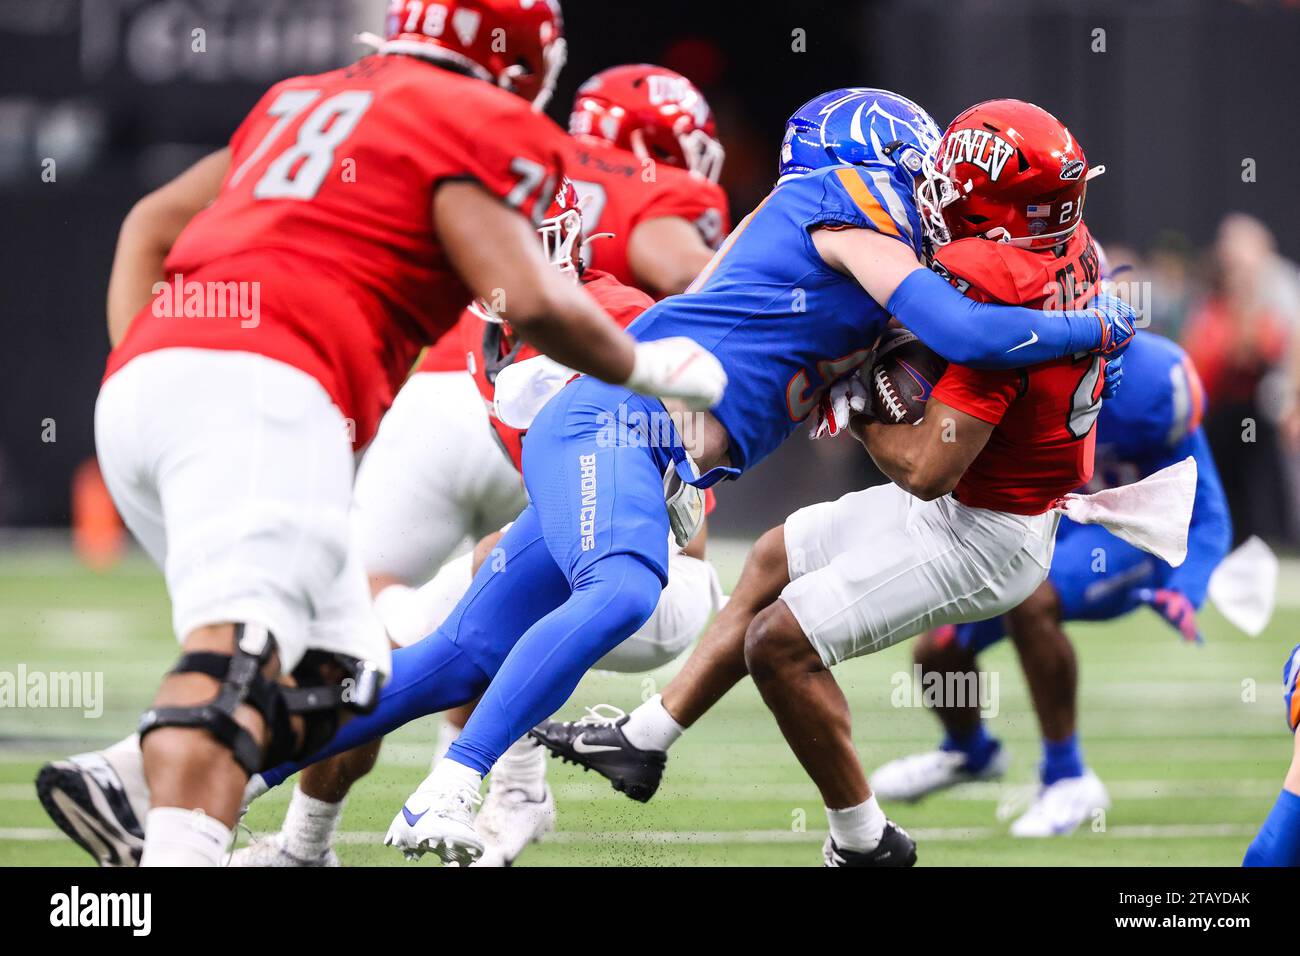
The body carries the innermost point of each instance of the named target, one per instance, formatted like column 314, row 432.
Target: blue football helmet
column 859, row 126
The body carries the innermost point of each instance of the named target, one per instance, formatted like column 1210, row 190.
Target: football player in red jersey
column 965, row 526
column 645, row 175
column 646, row 163
column 263, row 307
column 445, row 459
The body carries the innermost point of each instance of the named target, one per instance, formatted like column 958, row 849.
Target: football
column 904, row 374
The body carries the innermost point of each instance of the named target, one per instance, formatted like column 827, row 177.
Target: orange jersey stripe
column 867, row 202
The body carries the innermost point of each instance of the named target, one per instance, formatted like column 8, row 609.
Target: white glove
column 847, row 396
column 678, row 367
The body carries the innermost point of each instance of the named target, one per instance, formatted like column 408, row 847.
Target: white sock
column 448, row 775
column 176, row 837
column 309, row 826
column 651, row 727
column 857, row 828
column 395, row 606
column 412, row 614
column 522, row 767
column 447, row 734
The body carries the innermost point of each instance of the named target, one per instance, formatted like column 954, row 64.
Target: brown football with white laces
column 902, row 378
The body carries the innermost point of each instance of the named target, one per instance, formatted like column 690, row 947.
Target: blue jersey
column 784, row 324
column 1153, row 422
column 1141, row 429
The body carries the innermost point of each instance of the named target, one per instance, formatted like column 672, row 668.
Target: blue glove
column 1117, row 321
column 1176, row 608
column 1113, row 371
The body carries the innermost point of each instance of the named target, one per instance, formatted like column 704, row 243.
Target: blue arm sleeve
column 1210, row 534
column 988, row 336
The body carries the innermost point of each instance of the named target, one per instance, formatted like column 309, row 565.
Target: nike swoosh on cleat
column 1033, row 337
column 412, row 818
column 582, row 747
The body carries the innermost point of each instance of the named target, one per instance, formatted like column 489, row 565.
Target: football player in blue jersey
column 1278, row 840
column 1152, row 423
column 794, row 299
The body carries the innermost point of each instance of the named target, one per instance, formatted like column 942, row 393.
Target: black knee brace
column 316, row 699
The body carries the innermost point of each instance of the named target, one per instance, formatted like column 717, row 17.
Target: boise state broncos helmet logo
column 857, row 126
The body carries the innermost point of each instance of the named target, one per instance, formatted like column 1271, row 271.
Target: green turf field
column 1190, row 741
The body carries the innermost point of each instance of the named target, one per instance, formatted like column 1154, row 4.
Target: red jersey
column 616, row 200
column 619, row 194
column 1043, row 441
column 323, row 225
column 449, row 354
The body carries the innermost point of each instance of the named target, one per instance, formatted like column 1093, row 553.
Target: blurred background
column 1189, row 104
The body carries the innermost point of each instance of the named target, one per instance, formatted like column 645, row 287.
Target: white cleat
column 270, row 851
column 918, row 775
column 440, row 822
column 509, row 821
column 98, row 808
column 1060, row 808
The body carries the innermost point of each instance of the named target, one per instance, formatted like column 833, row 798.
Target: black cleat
column 596, row 742
column 895, row 848
column 85, row 797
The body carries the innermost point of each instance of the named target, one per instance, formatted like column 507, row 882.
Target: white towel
column 1244, row 586
column 522, row 388
column 1152, row 514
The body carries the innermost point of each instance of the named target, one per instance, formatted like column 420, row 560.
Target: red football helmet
column 562, row 239
column 516, row 44
column 561, row 231
column 653, row 112
column 1005, row 170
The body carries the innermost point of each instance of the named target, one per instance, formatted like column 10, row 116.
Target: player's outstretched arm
column 961, row 330
column 496, row 253
column 926, row 459
column 148, row 233
column 666, row 254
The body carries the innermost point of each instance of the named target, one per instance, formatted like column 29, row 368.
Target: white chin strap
column 553, row 61
column 553, row 58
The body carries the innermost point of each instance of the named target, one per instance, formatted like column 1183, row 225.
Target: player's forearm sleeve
column 1210, row 535
column 988, row 336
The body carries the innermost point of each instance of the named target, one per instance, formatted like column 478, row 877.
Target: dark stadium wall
column 113, row 91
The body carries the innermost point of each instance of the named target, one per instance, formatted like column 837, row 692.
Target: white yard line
column 714, row 837
column 972, row 792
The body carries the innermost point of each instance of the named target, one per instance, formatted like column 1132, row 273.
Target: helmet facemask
column 934, row 191
column 704, row 154
column 562, row 241
column 553, row 58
